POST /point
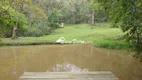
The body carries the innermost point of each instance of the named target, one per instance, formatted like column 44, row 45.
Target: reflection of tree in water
column 11, row 64
column 66, row 67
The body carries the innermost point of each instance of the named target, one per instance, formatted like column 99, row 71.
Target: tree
column 22, row 7
column 92, row 11
column 8, row 19
column 96, row 11
column 126, row 14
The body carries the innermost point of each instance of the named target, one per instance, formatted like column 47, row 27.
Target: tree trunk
column 14, row 30
column 92, row 19
column 14, row 33
column 14, row 36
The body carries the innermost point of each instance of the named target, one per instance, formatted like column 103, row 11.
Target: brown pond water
column 68, row 58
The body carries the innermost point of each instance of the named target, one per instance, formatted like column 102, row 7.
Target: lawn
column 102, row 35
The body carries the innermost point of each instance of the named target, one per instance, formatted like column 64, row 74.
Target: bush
column 45, row 27
column 53, row 18
column 110, row 44
column 38, row 29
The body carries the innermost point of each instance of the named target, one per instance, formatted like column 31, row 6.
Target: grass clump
column 110, row 44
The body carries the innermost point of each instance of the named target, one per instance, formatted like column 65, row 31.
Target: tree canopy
column 126, row 14
column 14, row 16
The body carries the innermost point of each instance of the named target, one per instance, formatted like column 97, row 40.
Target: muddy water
column 68, row 58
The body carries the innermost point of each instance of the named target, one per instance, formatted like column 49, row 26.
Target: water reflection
column 68, row 58
column 66, row 67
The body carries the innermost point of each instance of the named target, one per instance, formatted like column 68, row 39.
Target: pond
column 15, row 60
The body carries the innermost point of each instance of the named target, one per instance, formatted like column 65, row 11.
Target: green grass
column 101, row 36
column 111, row 44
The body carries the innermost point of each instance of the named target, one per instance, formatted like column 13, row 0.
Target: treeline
column 41, row 17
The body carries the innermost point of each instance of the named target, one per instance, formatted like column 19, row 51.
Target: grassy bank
column 101, row 36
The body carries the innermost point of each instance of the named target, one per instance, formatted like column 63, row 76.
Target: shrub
column 110, row 44
column 38, row 29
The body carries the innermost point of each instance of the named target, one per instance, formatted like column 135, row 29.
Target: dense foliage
column 18, row 15
column 71, row 11
column 126, row 14
column 8, row 18
column 34, row 14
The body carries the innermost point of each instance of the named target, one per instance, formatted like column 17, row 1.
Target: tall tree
column 23, row 7
column 126, row 14
column 92, row 11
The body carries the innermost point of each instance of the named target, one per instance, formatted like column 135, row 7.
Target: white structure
column 62, row 25
column 74, row 41
column 60, row 40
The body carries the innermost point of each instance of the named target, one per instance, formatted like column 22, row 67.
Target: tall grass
column 110, row 44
